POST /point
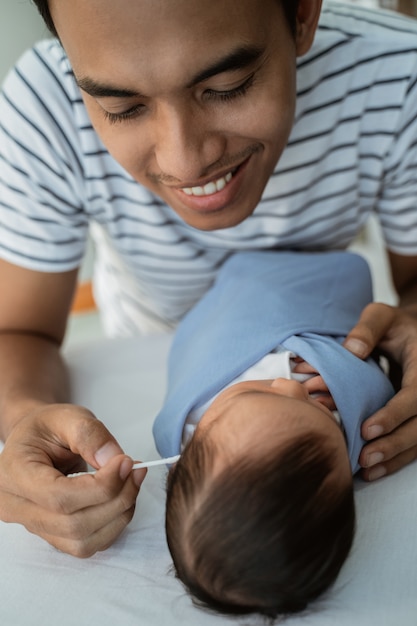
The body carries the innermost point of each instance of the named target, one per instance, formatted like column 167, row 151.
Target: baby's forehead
column 253, row 425
column 262, row 409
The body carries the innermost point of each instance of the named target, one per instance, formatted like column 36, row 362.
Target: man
column 174, row 128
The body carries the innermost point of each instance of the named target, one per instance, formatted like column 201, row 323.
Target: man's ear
column 308, row 14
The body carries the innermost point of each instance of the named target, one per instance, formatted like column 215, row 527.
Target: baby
column 260, row 509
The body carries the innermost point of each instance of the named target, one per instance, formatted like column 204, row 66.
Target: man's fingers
column 79, row 429
column 100, row 540
column 61, row 494
column 391, row 466
column 82, row 532
column 376, row 319
column 400, row 410
column 29, row 469
column 391, row 449
column 391, row 431
column 78, row 515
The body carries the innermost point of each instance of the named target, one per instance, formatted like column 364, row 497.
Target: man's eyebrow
column 238, row 59
column 101, row 90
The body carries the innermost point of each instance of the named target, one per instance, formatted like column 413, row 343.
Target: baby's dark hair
column 267, row 535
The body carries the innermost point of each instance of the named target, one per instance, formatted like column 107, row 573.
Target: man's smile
column 209, row 188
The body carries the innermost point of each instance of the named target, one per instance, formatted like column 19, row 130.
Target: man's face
column 194, row 99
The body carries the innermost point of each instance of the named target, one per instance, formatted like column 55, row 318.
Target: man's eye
column 231, row 94
column 130, row 114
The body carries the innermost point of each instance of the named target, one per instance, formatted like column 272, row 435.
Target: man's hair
column 43, row 9
column 264, row 535
column 289, row 6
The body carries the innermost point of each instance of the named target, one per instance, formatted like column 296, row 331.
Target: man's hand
column 391, row 431
column 80, row 515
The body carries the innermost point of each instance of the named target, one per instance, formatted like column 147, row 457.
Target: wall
column 20, row 27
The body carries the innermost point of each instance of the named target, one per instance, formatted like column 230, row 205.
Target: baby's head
column 260, row 512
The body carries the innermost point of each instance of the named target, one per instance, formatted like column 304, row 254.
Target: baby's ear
column 307, row 18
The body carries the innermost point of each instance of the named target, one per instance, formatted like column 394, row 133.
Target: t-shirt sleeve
column 43, row 225
column 397, row 205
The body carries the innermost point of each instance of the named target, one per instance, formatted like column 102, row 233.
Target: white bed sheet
column 130, row 584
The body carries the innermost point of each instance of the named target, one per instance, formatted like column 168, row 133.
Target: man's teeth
column 210, row 188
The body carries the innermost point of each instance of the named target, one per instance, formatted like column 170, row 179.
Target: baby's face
column 259, row 414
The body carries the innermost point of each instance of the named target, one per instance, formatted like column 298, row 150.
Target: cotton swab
column 168, row 460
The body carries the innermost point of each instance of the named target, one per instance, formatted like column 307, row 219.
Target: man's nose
column 186, row 148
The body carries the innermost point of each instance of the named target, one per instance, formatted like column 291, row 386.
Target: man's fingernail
column 374, row 431
column 377, row 472
column 125, row 468
column 375, row 458
column 139, row 476
column 357, row 346
column 106, row 452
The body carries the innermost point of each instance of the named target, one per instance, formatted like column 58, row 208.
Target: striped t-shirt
column 352, row 151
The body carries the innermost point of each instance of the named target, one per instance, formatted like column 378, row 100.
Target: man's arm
column 44, row 436
column 33, row 314
column 392, row 431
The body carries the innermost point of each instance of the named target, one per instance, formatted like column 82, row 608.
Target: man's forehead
column 152, row 32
